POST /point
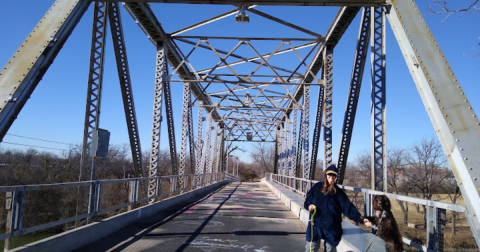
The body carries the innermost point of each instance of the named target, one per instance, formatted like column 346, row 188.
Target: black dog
column 387, row 228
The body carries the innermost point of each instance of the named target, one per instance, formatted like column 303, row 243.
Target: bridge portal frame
column 454, row 120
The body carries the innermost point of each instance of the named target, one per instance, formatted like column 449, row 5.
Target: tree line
column 418, row 170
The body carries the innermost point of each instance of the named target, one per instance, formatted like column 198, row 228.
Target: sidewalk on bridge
column 354, row 238
column 237, row 217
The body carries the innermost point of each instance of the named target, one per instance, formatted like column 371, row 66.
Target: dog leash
column 384, row 214
column 311, row 227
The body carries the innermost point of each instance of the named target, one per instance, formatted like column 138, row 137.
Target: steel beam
column 305, row 131
column 317, row 130
column 22, row 73
column 126, row 87
column 456, row 124
column 191, row 137
column 171, row 127
column 146, row 19
column 378, row 96
column 269, row 2
column 206, row 146
column 161, row 77
column 92, row 111
column 221, row 151
column 184, row 136
column 338, row 27
column 290, row 147
column 328, row 109
column 294, row 142
column 353, row 93
column 299, row 147
column 277, row 142
column 198, row 145
column 215, row 149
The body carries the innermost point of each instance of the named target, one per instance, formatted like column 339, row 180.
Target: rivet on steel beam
column 465, row 158
column 470, row 168
column 453, row 131
column 457, row 140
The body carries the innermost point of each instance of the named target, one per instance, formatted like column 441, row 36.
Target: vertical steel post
column 317, row 130
column 191, row 137
column 206, row 158
column 183, row 142
column 281, row 151
column 294, row 141
column 299, row 147
column 328, row 109
column 92, row 111
column 440, row 227
column 305, row 131
column 379, row 160
column 277, row 145
column 199, row 158
column 290, row 149
column 161, row 77
column 222, row 148
column 215, row 148
column 171, row 127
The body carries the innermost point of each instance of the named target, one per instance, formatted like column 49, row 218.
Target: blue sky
column 56, row 109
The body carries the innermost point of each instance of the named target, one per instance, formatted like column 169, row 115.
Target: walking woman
column 327, row 202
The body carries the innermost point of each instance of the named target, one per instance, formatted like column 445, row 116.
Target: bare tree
column 264, row 155
column 357, row 174
column 426, row 173
column 442, row 7
column 396, row 178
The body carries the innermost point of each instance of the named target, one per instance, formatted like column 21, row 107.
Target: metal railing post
column 15, row 214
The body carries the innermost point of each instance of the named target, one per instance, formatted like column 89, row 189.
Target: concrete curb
column 78, row 237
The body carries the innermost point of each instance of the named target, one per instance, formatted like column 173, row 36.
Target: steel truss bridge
column 247, row 89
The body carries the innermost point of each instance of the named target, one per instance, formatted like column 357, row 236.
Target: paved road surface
column 237, row 217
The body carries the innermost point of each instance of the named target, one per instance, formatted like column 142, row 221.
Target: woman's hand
column 311, row 207
column 367, row 222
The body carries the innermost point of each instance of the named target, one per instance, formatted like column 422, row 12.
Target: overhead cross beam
column 269, row 2
column 142, row 13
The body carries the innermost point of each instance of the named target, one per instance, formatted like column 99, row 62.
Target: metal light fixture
column 241, row 17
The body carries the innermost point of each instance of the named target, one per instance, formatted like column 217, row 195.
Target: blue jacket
column 328, row 217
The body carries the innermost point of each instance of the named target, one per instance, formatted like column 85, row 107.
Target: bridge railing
column 17, row 198
column 426, row 225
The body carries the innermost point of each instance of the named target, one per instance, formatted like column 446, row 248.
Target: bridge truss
column 247, row 89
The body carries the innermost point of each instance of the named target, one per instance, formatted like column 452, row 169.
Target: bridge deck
column 237, row 217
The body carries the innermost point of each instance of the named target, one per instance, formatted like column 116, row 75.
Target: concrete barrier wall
column 78, row 237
